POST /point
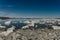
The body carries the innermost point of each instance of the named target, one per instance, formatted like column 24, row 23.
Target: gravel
column 37, row 34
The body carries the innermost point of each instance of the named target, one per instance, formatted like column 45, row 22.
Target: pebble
column 33, row 35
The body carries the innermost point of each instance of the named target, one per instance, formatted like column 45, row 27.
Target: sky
column 30, row 8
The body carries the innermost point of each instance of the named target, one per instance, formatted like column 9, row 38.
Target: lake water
column 18, row 23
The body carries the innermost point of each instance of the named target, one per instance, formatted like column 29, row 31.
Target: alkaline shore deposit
column 30, row 29
column 33, row 34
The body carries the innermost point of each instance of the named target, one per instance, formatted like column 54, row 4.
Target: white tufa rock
column 24, row 27
column 32, row 23
column 26, row 21
column 2, row 26
column 8, row 22
column 56, row 27
column 6, row 33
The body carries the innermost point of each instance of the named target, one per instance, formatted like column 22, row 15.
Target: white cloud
column 9, row 14
column 2, row 13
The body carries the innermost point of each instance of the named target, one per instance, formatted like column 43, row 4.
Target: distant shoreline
column 25, row 18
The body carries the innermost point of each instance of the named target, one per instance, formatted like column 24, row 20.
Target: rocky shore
column 36, row 34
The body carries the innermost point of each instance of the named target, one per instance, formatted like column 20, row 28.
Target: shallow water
column 15, row 22
column 18, row 23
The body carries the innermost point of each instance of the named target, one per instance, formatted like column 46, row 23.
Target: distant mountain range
column 4, row 18
column 24, row 18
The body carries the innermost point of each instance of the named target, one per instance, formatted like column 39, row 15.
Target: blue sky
column 30, row 8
